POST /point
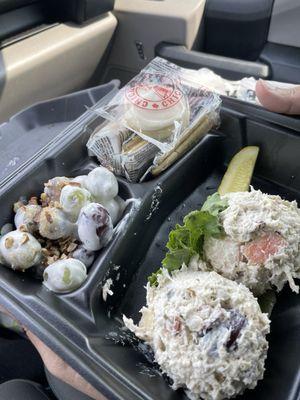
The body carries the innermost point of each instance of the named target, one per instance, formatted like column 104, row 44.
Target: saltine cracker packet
column 152, row 121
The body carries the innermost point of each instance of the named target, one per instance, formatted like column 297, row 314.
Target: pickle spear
column 238, row 176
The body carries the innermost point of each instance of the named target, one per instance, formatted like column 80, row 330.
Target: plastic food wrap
column 153, row 120
column 244, row 89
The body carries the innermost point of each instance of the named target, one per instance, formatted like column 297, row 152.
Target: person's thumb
column 281, row 100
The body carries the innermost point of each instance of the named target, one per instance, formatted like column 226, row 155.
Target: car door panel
column 53, row 62
column 143, row 24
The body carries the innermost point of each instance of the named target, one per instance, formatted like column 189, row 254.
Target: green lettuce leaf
column 175, row 258
column 152, row 279
column 187, row 240
column 214, row 204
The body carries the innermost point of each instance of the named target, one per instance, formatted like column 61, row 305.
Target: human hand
column 61, row 370
column 57, row 367
column 280, row 100
column 2, row 309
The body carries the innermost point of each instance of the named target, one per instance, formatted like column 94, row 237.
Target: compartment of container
column 275, row 174
column 36, row 127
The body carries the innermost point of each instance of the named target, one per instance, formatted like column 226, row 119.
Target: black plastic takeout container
column 80, row 326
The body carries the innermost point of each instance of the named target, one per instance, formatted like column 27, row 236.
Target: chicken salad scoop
column 208, row 333
column 250, row 237
column 261, row 243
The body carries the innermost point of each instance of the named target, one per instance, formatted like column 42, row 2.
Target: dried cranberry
column 177, row 325
column 235, row 323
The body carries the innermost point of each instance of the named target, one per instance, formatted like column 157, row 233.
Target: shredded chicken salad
column 208, row 333
column 261, row 245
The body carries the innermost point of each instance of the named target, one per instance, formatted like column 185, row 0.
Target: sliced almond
column 9, row 241
column 25, row 238
column 48, row 217
column 71, row 247
column 22, row 228
column 57, row 205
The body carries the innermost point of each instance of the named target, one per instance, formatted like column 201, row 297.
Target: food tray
column 82, row 328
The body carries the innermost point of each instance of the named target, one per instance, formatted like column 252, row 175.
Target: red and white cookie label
column 155, row 94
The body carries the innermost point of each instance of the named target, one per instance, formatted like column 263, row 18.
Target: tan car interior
column 52, row 59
